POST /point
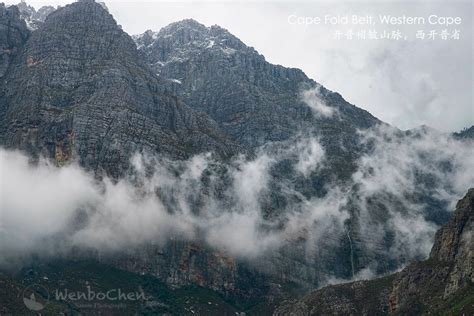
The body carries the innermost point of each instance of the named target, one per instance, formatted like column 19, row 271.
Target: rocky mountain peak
column 32, row 17
column 35, row 18
column 89, row 10
column 80, row 82
column 214, row 72
column 146, row 39
column 102, row 4
column 466, row 133
column 65, row 29
column 183, row 40
column 10, row 20
column 188, row 24
column 195, row 30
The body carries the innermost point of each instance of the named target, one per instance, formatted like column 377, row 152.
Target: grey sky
column 406, row 83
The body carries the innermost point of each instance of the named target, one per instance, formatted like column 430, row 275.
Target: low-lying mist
column 48, row 210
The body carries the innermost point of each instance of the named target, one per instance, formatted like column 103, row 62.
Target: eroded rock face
column 181, row 263
column 252, row 100
column 78, row 90
column 441, row 284
column 255, row 101
column 13, row 34
column 34, row 18
column 454, row 244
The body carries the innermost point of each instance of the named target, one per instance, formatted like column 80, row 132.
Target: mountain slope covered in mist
column 185, row 156
column 252, row 100
column 255, row 101
column 442, row 284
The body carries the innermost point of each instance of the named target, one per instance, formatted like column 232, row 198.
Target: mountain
column 248, row 101
column 256, row 102
column 81, row 92
column 96, row 102
column 252, row 100
column 13, row 34
column 32, row 17
column 440, row 285
column 467, row 133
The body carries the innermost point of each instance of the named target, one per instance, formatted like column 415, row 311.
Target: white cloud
column 46, row 209
column 310, row 156
column 312, row 97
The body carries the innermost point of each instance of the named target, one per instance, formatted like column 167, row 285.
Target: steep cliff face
column 13, row 34
column 255, row 101
column 32, row 17
column 454, row 243
column 78, row 90
column 180, row 264
column 442, row 284
column 252, row 100
column 218, row 74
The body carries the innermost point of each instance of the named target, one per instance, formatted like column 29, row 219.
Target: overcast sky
column 403, row 82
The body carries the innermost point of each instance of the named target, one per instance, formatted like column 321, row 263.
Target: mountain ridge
column 180, row 50
column 77, row 90
column 51, row 73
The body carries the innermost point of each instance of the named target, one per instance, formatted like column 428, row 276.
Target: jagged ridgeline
column 281, row 184
column 77, row 89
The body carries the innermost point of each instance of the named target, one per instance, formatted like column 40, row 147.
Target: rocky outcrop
column 442, row 284
column 255, row 102
column 32, row 17
column 454, row 244
column 13, row 34
column 209, row 67
column 78, row 90
column 252, row 100
column 467, row 133
column 181, row 264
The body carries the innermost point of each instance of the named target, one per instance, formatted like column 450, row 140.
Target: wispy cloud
column 386, row 209
column 312, row 97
